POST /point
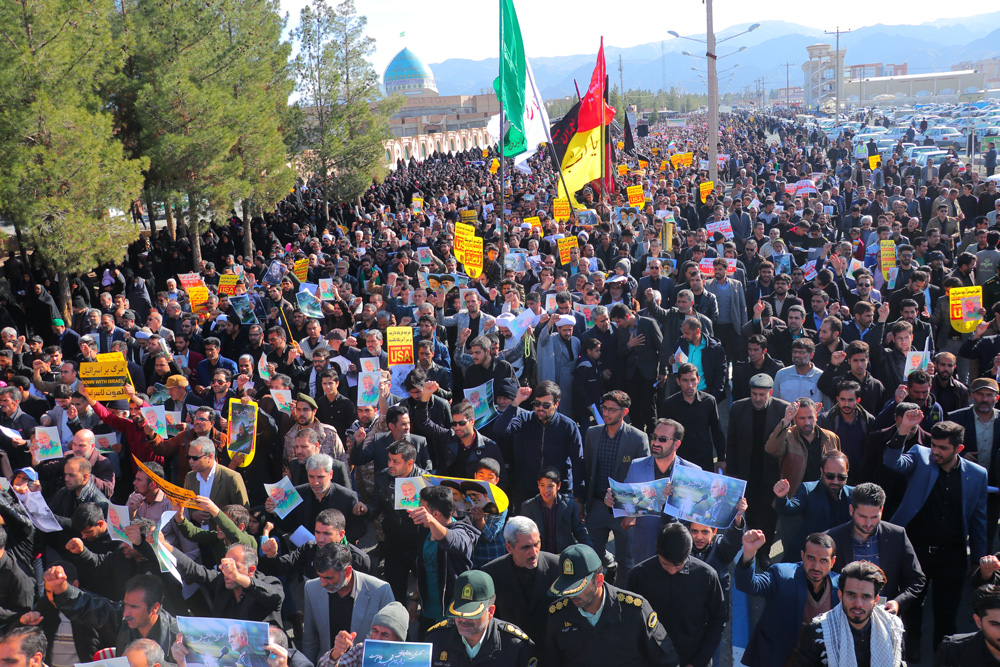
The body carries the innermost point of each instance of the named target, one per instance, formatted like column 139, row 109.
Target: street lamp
column 713, row 84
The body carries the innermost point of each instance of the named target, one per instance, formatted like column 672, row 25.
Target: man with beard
column 867, row 537
column 758, row 362
column 850, row 422
column 801, row 379
column 821, row 505
column 698, row 412
column 780, row 340
column 595, row 623
column 982, row 439
column 871, row 395
column 944, row 513
column 794, row 592
column 951, row 394
column 780, row 299
column 857, row 630
column 751, row 422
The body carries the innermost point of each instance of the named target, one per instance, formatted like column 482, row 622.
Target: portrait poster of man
column 408, row 492
column 368, row 390
column 284, row 495
column 468, row 492
column 242, row 429
column 117, row 521
column 222, row 642
column 481, row 399
column 704, row 497
column 638, row 498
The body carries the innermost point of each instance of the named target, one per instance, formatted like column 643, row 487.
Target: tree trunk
column 193, row 229
column 150, row 211
column 65, row 298
column 20, row 245
column 168, row 212
column 247, row 236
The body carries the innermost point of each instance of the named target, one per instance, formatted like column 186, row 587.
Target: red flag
column 593, row 101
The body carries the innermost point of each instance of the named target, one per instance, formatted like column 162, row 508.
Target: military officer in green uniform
column 472, row 636
column 594, row 623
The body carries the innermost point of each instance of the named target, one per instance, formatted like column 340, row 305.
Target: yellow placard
column 227, row 283
column 622, row 170
column 417, row 204
column 621, row 145
column 400, row 345
column 705, row 189
column 887, row 256
column 682, row 159
column 462, row 233
column 105, row 379
column 473, row 256
column 964, row 304
column 643, row 164
column 663, row 165
column 560, row 211
column 486, row 152
column 301, row 270
column 181, row 496
column 874, row 161
column 494, row 166
column 656, row 151
column 635, row 195
column 565, row 246
column 469, row 216
column 242, row 430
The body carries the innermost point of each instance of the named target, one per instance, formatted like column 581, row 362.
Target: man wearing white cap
column 557, row 355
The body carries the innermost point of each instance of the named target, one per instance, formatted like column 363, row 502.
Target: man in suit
column 321, row 493
column 779, row 340
column 207, row 478
column 523, row 576
column 980, row 422
column 867, row 537
column 108, row 333
column 822, row 504
column 953, row 490
column 608, row 451
column 751, row 422
column 655, row 281
column 666, row 439
column 794, row 593
column 780, row 299
column 732, row 302
column 567, row 527
column 339, row 599
column 639, row 343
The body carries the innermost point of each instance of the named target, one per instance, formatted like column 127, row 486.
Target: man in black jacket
column 867, row 537
column 976, row 649
column 523, row 576
column 758, row 361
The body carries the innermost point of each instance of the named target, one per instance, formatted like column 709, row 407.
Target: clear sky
column 440, row 29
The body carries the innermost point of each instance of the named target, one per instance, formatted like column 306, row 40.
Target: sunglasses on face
column 663, row 438
column 459, row 423
column 539, row 404
column 835, row 476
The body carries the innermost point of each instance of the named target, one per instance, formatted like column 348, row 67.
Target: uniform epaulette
column 442, row 624
column 628, row 598
column 556, row 606
column 514, row 630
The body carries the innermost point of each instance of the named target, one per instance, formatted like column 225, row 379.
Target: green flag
column 510, row 85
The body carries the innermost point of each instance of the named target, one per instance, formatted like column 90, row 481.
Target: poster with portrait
column 309, row 304
column 244, row 309
column 472, row 492
column 369, row 365
column 174, row 423
column 284, row 495
column 397, row 376
column 407, row 495
column 159, row 395
column 274, row 273
column 156, row 417
column 223, row 642
column 242, row 430
column 638, row 498
column 517, row 261
column 368, row 387
column 326, row 289
column 782, row 263
column 481, row 399
column 45, row 444
column 117, row 522
column 106, row 441
column 704, row 497
column 587, row 311
column 282, row 400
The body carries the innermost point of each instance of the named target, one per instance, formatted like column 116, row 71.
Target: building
column 820, row 74
column 791, row 96
column 875, row 70
column 429, row 121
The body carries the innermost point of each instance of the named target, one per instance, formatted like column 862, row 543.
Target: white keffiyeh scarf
column 886, row 640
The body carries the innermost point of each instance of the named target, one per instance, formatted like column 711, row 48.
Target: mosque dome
column 408, row 75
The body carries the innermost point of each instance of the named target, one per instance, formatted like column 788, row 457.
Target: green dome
column 407, row 74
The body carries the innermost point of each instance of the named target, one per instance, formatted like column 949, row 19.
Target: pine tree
column 66, row 178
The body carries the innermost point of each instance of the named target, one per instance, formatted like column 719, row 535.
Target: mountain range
column 928, row 47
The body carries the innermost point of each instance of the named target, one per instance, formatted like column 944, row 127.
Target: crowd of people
column 758, row 328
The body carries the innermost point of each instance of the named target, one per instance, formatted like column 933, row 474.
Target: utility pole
column 839, row 71
column 663, row 65
column 713, row 96
column 788, row 92
column 621, row 81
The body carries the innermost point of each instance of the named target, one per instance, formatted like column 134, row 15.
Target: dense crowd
column 788, row 326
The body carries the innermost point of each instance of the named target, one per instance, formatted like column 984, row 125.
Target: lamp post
column 713, row 84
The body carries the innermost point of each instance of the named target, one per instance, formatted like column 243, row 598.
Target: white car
column 944, row 137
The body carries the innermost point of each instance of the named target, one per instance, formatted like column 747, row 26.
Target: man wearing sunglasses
column 821, row 505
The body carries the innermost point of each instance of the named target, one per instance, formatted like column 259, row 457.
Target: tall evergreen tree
column 66, row 179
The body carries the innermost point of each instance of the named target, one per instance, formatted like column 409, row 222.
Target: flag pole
column 604, row 181
column 503, row 190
